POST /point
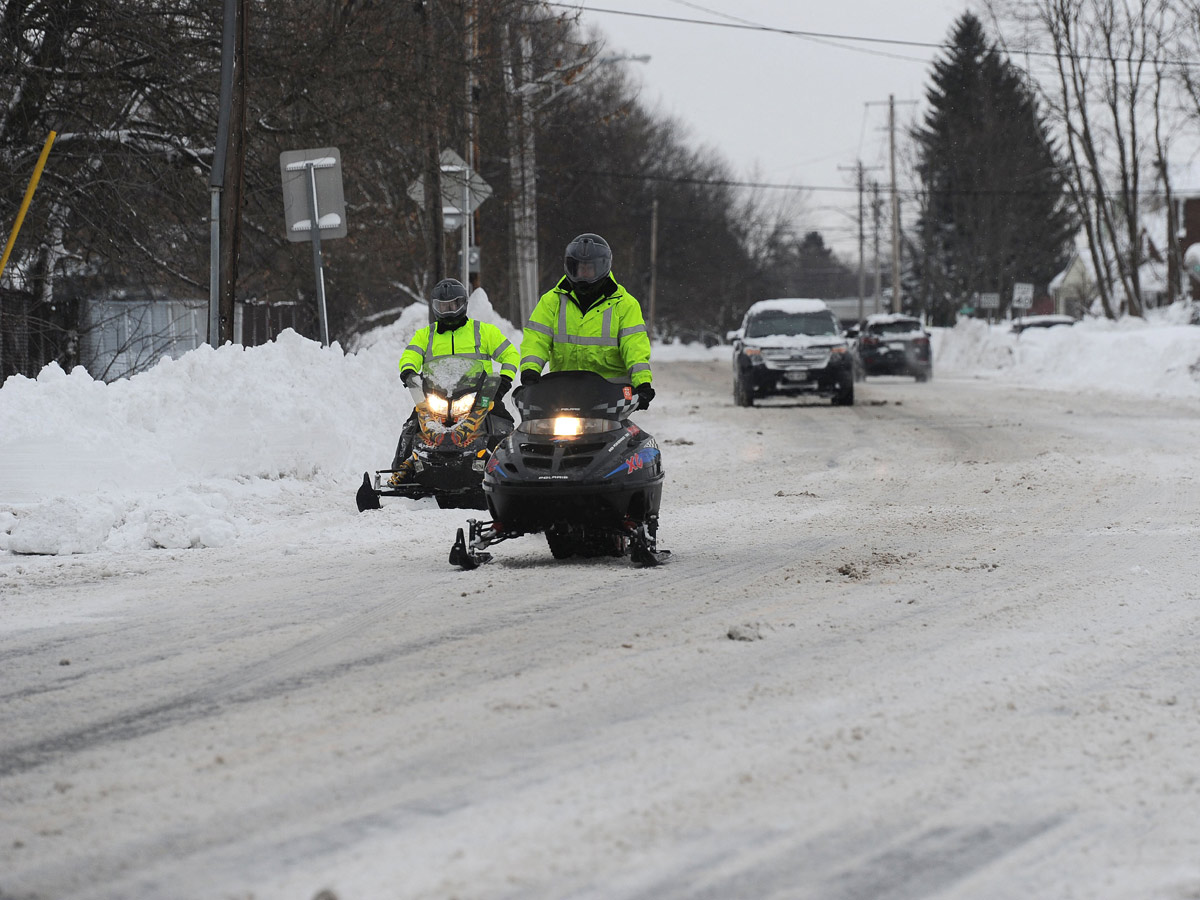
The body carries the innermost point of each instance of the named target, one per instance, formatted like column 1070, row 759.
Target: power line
column 847, row 189
column 747, row 26
column 864, row 39
column 828, row 43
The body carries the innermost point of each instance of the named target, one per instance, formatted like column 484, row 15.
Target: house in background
column 1072, row 289
column 123, row 334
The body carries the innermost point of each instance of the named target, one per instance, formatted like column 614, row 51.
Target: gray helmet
column 449, row 301
column 588, row 259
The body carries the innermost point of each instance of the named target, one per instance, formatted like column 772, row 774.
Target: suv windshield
column 790, row 324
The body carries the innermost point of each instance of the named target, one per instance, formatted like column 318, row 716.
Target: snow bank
column 1129, row 356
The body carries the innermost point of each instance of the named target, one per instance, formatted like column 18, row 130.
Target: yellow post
column 37, row 173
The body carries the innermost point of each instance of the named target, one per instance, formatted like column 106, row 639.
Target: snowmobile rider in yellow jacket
column 453, row 334
column 589, row 322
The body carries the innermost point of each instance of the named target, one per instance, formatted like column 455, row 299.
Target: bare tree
column 1110, row 61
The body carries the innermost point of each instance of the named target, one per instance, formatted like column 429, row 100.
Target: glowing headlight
column 462, row 405
column 437, row 405
column 568, row 426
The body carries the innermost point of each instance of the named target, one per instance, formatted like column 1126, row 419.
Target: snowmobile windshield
column 583, row 396
column 790, row 324
column 452, row 386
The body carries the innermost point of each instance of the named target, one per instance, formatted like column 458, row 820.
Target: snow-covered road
column 970, row 610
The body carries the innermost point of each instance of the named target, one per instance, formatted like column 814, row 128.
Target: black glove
column 410, row 378
column 505, row 387
column 645, row 394
column 530, row 376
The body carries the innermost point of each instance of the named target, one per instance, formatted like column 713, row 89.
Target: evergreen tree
column 993, row 206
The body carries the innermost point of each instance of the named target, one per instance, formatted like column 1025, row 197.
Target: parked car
column 895, row 344
column 1022, row 323
column 791, row 346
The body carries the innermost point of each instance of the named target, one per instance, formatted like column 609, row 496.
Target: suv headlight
column 754, row 355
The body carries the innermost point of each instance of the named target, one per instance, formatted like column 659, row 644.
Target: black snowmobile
column 576, row 469
column 457, row 433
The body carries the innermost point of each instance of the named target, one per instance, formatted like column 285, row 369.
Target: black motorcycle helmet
column 449, row 302
column 588, row 260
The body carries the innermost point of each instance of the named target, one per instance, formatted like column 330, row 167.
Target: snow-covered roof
column 788, row 304
column 885, row 318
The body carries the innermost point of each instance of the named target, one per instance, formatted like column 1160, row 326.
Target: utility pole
column 433, row 163
column 891, row 104
column 522, row 173
column 860, row 170
column 469, row 156
column 653, row 265
column 518, row 58
column 876, row 205
column 226, row 181
column 895, row 205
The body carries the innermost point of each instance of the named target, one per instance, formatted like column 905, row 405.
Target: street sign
column 458, row 184
column 472, row 259
column 989, row 301
column 314, row 208
column 299, row 169
column 1022, row 295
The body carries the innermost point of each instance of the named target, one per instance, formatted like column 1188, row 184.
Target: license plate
column 895, row 346
column 796, row 375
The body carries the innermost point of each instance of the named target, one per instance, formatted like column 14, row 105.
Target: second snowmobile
column 457, row 431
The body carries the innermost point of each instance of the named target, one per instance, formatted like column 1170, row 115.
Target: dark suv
column 791, row 346
column 895, row 344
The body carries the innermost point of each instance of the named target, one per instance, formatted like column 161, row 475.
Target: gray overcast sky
column 782, row 108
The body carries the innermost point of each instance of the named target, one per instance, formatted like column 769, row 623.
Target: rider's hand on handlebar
column 645, row 394
column 530, row 376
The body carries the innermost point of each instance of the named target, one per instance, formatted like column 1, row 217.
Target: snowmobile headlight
column 462, row 405
column 568, row 426
column 437, row 405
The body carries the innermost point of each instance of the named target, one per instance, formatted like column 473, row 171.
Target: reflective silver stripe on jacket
column 475, row 355
column 562, row 337
column 639, row 367
column 632, row 329
column 536, row 360
column 505, row 368
column 420, row 351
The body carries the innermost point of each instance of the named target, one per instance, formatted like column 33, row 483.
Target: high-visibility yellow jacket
column 610, row 338
column 472, row 340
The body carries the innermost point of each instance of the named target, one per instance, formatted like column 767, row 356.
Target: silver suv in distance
column 791, row 346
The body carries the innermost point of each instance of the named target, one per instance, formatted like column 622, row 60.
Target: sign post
column 1022, row 295
column 312, row 185
column 990, row 302
column 463, row 191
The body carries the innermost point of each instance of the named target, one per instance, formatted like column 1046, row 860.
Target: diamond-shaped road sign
column 454, row 174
